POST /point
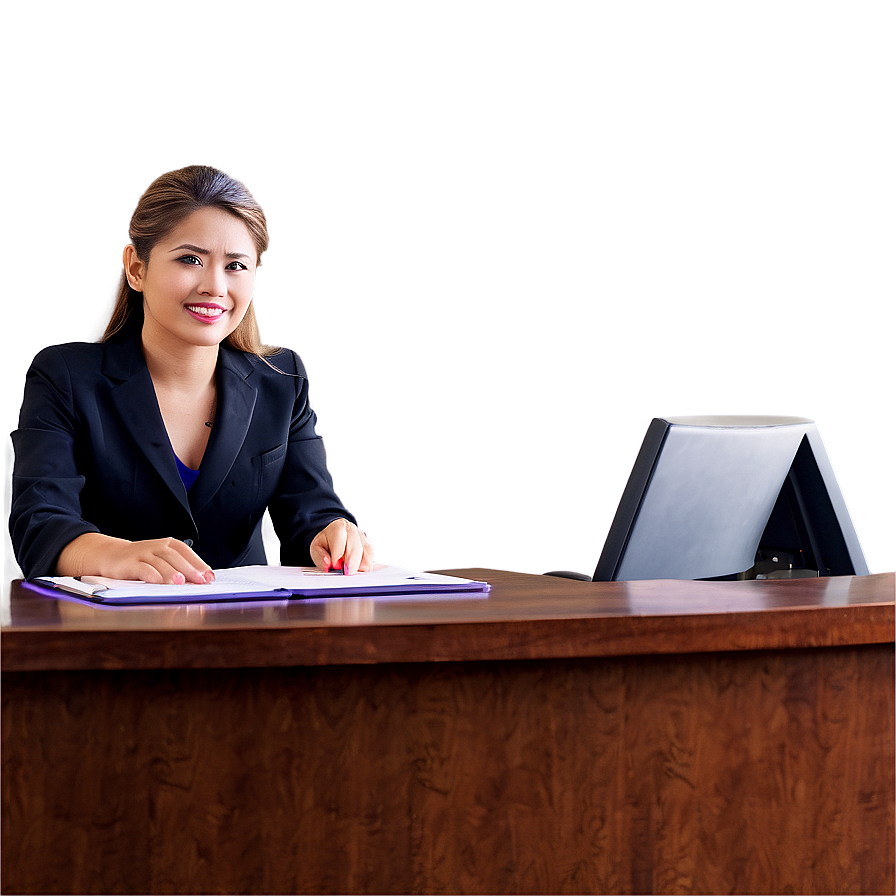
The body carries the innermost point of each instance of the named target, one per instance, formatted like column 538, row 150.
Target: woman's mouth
column 207, row 313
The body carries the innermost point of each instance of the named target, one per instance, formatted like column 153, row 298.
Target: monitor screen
column 727, row 498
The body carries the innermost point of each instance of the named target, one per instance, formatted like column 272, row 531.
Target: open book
column 263, row 583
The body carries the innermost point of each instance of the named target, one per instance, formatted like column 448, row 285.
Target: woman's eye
column 236, row 266
column 189, row 259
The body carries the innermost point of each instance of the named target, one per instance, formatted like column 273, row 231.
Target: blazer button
column 188, row 542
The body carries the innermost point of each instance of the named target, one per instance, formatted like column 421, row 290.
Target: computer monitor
column 731, row 498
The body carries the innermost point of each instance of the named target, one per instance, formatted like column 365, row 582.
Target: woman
column 154, row 453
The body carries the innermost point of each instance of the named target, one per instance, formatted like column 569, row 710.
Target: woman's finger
column 337, row 534
column 354, row 551
column 366, row 564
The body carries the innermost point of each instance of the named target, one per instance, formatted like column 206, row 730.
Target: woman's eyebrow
column 200, row 251
column 196, row 249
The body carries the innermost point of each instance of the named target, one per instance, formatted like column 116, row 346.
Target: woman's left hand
column 342, row 545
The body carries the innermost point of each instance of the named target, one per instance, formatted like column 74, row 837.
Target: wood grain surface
column 749, row 772
column 523, row 617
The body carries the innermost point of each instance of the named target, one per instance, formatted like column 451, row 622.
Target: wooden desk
column 555, row 736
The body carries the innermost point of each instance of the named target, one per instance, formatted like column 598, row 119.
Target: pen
column 72, row 584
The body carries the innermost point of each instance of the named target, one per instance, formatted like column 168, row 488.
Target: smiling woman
column 193, row 299
column 154, row 454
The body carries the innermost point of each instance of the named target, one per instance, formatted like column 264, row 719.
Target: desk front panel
column 748, row 771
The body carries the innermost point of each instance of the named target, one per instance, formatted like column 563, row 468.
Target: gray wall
column 504, row 236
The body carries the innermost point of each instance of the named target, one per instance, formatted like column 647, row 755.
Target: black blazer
column 92, row 455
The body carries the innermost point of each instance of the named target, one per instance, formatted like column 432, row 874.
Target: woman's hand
column 342, row 545
column 160, row 561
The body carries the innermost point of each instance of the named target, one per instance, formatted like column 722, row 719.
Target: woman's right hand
column 159, row 561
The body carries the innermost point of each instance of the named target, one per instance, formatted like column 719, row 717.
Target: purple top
column 188, row 476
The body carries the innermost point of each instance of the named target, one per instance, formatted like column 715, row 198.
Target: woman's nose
column 212, row 283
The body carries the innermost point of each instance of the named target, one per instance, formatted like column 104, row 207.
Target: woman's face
column 199, row 279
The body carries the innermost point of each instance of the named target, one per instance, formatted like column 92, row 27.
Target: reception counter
column 550, row 736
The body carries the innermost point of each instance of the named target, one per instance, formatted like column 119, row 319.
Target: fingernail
column 178, row 579
column 209, row 577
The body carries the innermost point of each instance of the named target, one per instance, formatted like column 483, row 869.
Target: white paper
column 307, row 578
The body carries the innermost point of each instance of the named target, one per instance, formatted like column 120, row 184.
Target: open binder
column 261, row 583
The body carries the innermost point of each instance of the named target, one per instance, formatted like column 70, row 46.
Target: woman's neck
column 180, row 366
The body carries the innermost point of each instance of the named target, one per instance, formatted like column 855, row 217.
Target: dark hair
column 168, row 200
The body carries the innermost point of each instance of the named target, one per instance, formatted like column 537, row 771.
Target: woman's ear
column 134, row 268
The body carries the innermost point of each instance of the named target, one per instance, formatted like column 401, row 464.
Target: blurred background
column 504, row 236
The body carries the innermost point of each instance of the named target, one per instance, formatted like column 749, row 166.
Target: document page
column 310, row 578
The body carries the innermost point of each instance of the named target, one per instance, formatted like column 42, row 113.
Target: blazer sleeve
column 45, row 512
column 304, row 501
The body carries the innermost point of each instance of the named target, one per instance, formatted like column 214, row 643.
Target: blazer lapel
column 135, row 400
column 236, row 403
